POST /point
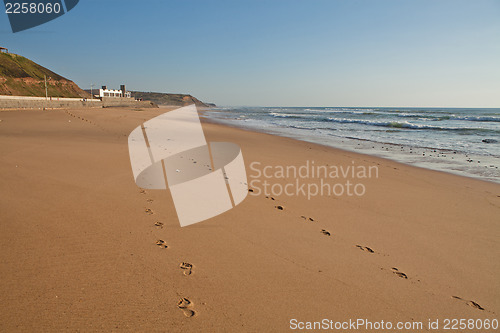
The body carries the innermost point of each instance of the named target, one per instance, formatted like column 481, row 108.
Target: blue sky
column 279, row 52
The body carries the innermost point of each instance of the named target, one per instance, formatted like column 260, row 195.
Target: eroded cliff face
column 20, row 76
column 33, row 87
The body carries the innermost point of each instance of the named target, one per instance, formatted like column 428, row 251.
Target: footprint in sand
column 365, row 248
column 149, row 211
column 187, row 267
column 150, row 200
column 398, row 273
column 184, row 304
column 469, row 303
column 279, row 207
column 161, row 243
column 159, row 224
column 325, row 232
column 307, row 218
column 272, row 198
column 142, row 192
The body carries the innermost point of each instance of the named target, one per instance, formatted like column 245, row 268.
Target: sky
column 413, row 53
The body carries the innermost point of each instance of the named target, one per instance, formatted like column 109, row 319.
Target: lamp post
column 46, row 94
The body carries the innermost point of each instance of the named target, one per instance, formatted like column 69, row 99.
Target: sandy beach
column 82, row 248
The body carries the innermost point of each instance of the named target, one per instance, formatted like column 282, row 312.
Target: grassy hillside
column 170, row 99
column 20, row 76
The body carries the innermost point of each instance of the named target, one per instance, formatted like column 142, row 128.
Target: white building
column 105, row 92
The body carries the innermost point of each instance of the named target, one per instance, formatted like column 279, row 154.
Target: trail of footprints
column 305, row 218
column 369, row 250
column 184, row 304
column 84, row 119
column 90, row 122
column 329, row 234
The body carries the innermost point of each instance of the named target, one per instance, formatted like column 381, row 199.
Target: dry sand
column 79, row 247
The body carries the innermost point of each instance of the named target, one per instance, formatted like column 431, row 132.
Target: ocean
column 463, row 141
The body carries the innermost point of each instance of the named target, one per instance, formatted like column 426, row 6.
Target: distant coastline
column 170, row 99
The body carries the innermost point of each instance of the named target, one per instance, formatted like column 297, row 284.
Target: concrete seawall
column 22, row 102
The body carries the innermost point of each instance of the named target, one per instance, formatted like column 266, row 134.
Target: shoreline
column 496, row 180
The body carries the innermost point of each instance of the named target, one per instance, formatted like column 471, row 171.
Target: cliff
column 20, row 76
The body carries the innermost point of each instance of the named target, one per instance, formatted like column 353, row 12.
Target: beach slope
column 82, row 248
